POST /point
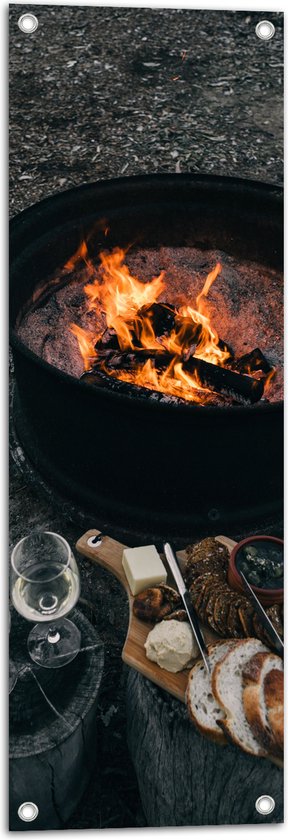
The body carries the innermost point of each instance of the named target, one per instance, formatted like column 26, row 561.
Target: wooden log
column 161, row 316
column 242, row 388
column 251, row 362
column 52, row 755
column 220, row 380
column 104, row 380
column 183, row 778
column 131, row 360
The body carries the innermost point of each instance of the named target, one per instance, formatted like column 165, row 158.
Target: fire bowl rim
column 196, row 179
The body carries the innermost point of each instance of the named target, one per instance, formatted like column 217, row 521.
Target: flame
column 269, row 376
column 208, row 345
column 121, row 296
column 86, row 345
column 126, row 303
column 81, row 255
column 173, row 381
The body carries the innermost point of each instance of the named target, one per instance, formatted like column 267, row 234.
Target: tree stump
column 183, row 778
column 53, row 748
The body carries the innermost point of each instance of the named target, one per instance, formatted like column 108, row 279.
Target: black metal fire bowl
column 156, row 468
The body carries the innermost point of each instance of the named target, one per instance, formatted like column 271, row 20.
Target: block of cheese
column 143, row 567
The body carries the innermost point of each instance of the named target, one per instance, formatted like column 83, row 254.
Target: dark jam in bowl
column 262, row 564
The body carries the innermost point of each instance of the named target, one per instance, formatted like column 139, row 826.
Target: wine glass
column 45, row 587
column 13, row 673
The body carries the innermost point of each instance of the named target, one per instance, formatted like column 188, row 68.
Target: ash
column 245, row 305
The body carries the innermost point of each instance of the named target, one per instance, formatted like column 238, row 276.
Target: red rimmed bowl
column 267, row 597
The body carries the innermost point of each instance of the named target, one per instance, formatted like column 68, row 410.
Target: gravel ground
column 98, row 93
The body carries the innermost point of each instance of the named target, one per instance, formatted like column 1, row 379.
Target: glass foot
column 54, row 645
column 13, row 674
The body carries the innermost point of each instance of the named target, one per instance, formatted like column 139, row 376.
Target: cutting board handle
column 230, row 544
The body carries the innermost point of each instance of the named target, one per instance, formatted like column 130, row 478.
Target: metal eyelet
column 28, row 23
column 28, row 811
column 265, row 804
column 265, row 30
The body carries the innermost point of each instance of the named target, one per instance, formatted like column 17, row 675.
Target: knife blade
column 185, row 597
column 277, row 641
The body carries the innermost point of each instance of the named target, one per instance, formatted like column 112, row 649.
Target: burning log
column 226, row 347
column 131, row 360
column 161, row 317
column 251, row 362
column 240, row 387
column 118, row 386
column 154, row 345
column 108, row 341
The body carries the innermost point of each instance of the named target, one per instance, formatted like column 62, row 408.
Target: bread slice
column 246, row 619
column 210, row 607
column 274, row 701
column 234, row 626
column 259, row 630
column 202, row 706
column 199, row 567
column 222, row 607
column 260, row 667
column 227, row 687
column 275, row 613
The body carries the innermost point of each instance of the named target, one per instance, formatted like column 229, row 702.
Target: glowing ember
column 137, row 322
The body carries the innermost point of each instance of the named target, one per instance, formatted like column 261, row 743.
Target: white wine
column 51, row 592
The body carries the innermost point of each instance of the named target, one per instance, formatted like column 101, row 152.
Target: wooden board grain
column 108, row 554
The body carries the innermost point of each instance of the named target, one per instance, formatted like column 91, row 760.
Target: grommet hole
column 28, row 811
column 265, row 804
column 265, row 30
column 28, row 23
column 95, row 542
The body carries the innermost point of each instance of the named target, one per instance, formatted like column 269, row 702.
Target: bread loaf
column 227, row 687
column 274, row 701
column 203, row 709
column 262, row 676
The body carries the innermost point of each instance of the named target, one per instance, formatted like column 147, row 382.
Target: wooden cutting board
column 108, row 554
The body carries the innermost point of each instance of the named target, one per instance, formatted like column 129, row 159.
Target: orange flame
column 114, row 291
column 208, row 346
column 86, row 345
column 121, row 296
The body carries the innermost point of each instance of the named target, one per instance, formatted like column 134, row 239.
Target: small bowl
column 267, row 597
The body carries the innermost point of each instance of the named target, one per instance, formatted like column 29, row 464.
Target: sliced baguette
column 202, row 706
column 260, row 667
column 227, row 687
column 274, row 701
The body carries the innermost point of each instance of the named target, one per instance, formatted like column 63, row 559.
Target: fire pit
column 147, row 338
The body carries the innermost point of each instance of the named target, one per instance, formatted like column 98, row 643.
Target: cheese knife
column 185, row 597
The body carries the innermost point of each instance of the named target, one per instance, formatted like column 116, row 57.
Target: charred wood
column 161, row 317
column 252, row 362
column 242, row 388
column 131, row 360
column 239, row 387
column 104, row 380
column 108, row 341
